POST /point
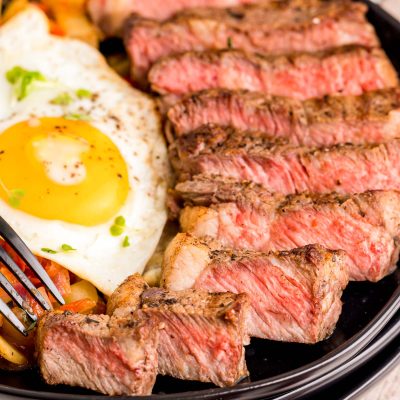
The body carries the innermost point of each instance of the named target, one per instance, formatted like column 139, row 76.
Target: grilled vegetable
column 70, row 17
column 82, row 290
column 10, row 353
column 83, row 306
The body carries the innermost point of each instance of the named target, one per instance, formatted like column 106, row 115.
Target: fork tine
column 9, row 262
column 6, row 285
column 11, row 237
column 6, row 311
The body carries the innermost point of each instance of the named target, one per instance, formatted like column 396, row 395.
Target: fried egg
column 83, row 164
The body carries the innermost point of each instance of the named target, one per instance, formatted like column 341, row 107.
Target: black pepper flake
column 170, row 301
column 91, row 320
column 131, row 324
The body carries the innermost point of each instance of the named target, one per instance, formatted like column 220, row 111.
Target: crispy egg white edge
column 78, row 65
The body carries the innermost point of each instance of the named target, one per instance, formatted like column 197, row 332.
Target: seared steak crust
column 110, row 15
column 98, row 352
column 244, row 215
column 202, row 335
column 261, row 28
column 370, row 118
column 127, row 296
column 295, row 295
column 349, row 70
column 212, row 139
column 287, row 169
column 205, row 191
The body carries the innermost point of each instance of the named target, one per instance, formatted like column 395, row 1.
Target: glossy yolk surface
column 59, row 169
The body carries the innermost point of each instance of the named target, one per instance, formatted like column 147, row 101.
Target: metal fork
column 11, row 237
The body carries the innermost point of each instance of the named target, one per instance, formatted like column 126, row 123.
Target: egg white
column 126, row 116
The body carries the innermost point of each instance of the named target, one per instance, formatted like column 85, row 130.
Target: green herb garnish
column 77, row 117
column 47, row 250
column 126, row 242
column 24, row 81
column 120, row 221
column 31, row 326
column 15, row 197
column 229, row 43
column 64, row 247
column 83, row 93
column 63, row 99
column 14, row 74
column 117, row 230
column 67, row 247
column 118, row 227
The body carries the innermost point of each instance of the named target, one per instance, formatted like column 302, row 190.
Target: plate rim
column 358, row 347
column 371, row 351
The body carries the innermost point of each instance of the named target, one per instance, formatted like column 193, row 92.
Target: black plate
column 279, row 368
column 372, row 365
column 354, row 375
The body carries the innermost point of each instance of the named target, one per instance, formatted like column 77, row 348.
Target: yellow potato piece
column 10, row 353
column 13, row 8
column 82, row 290
column 71, row 16
column 12, row 334
column 153, row 276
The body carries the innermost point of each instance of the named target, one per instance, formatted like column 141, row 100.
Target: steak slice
column 373, row 117
column 246, row 216
column 295, row 295
column 203, row 334
column 287, row 169
column 349, row 70
column 110, row 15
column 254, row 28
column 98, row 352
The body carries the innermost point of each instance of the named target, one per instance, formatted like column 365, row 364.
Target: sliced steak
column 253, row 28
column 246, row 216
column 98, row 352
column 202, row 334
column 373, row 117
column 287, row 169
column 110, row 15
column 349, row 70
column 295, row 295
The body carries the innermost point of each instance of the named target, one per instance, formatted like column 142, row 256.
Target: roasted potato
column 71, row 20
column 12, row 8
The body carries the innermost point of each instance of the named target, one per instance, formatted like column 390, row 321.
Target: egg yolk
column 58, row 169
